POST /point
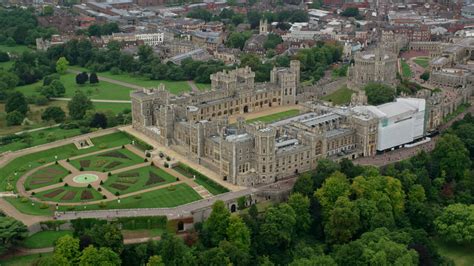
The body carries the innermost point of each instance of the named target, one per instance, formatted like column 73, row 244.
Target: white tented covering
column 400, row 122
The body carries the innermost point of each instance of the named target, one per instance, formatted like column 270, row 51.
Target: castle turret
column 265, row 154
column 263, row 29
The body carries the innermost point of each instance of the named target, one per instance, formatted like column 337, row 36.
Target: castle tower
column 265, row 154
column 263, row 29
column 295, row 68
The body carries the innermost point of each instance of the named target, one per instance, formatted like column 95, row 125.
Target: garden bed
column 54, row 193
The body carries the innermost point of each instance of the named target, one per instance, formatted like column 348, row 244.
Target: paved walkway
column 28, row 220
column 36, row 129
column 94, row 100
column 193, row 85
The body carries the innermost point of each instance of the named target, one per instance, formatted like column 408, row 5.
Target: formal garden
column 113, row 172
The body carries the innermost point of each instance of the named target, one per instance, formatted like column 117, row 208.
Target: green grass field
column 102, row 91
column 41, row 137
column 275, row 117
column 44, row 239
column 6, row 65
column 39, row 158
column 406, row 71
column 137, row 179
column 340, row 97
column 25, row 260
column 422, row 61
column 160, row 198
column 202, row 180
column 30, row 207
column 106, row 162
column 17, row 49
column 76, row 193
column 175, row 87
column 114, row 107
column 461, row 255
column 45, row 177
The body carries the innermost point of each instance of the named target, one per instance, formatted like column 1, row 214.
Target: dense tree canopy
column 379, row 93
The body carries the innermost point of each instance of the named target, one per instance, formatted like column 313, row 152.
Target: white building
column 152, row 39
column 400, row 122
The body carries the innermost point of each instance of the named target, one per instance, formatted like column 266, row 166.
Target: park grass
column 29, row 207
column 424, row 62
column 168, row 197
column 44, row 239
column 101, row 91
column 77, row 197
column 211, row 186
column 275, row 117
column 175, row 87
column 142, row 178
column 25, row 260
column 462, row 255
column 98, row 162
column 141, row 233
column 28, row 183
column 406, row 71
column 114, row 107
column 17, row 49
column 340, row 97
column 41, row 137
column 62, row 152
column 34, row 115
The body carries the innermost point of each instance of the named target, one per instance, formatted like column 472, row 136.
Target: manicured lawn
column 70, row 194
column 39, row 158
column 17, row 49
column 41, row 137
column 25, row 260
column 44, row 239
column 104, row 90
column 422, row 61
column 30, row 207
column 160, row 198
column 45, row 177
column 107, row 161
column 211, row 186
column 138, row 179
column 114, row 107
column 141, row 233
column 461, row 255
column 275, row 117
column 406, row 71
column 340, row 97
column 175, row 87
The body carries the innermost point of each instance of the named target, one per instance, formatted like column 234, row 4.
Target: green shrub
column 66, row 184
column 102, row 204
column 44, row 206
column 117, row 193
column 24, row 200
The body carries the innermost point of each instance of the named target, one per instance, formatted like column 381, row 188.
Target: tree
column 300, row 204
column 173, row 251
column 145, row 54
column 343, row 221
column 333, row 187
column 78, row 105
column 155, row 261
column 93, row 79
column 215, row 257
column 94, row 257
column 62, row 65
column 16, row 101
column 12, row 232
column 425, row 76
column 304, row 185
column 15, row 118
column 47, row 80
column 456, row 223
column 48, row 10
column 237, row 40
column 54, row 113
column 200, row 13
column 57, row 88
column 351, row 12
column 82, row 78
column 379, row 93
column 238, row 234
column 322, row 260
column 67, row 247
column 272, row 41
column 4, row 57
column 451, row 157
column 217, row 223
column 107, row 235
column 278, row 227
column 99, row 120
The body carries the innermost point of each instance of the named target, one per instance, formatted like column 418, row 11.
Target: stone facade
column 378, row 66
column 196, row 125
